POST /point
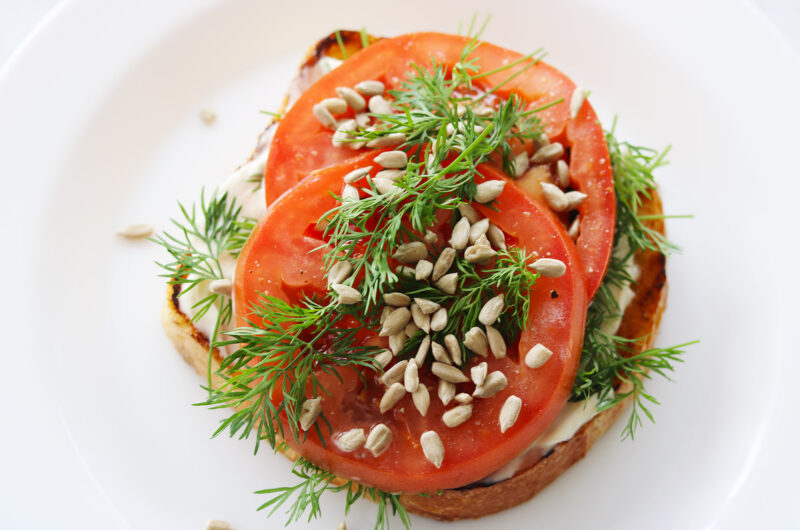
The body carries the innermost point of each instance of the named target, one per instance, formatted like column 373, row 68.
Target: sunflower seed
column 340, row 526
column 496, row 342
column 575, row 228
column 370, row 87
column 430, row 237
column 460, row 236
column 410, row 252
column 477, row 230
column 479, row 253
column 496, row 237
column 521, row 163
column 422, row 351
column 363, row 119
column 541, row 140
column 323, row 115
column 421, row 320
column 347, row 295
column 439, row 319
column 489, row 190
column 387, row 310
column 411, row 377
column 574, row 199
column 494, row 383
column 549, row 267
column 576, row 101
column 439, row 353
column 432, row 448
column 397, row 341
column 424, row 270
column 491, row 310
column 379, row 105
column 457, row 415
column 395, row 322
column 547, row 153
column 510, row 412
column 357, row 174
column 426, row 305
column 390, row 398
column 136, row 231
column 562, row 172
column 483, row 111
column 478, row 128
column 392, row 159
column 216, row 524
column 443, row 263
column 350, row 440
column 467, row 210
column 383, row 186
column 446, row 391
column 453, row 348
column 411, row 329
column 555, row 197
column 384, row 357
column 390, row 174
column 463, row 398
column 222, row 286
column 478, row 373
column 350, row 193
column 449, row 129
column 394, row 374
column 396, row 299
column 380, row 436
column 334, row 105
column 422, row 399
column 475, row 340
column 309, row 412
column 448, row 373
column 537, row 356
column 388, row 140
column 447, row 283
column 353, row 98
column 404, row 270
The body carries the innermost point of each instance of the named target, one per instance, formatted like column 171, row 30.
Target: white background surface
column 118, row 446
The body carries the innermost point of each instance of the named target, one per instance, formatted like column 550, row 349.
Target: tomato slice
column 302, row 145
column 278, row 260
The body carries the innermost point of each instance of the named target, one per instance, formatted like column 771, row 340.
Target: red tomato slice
column 278, row 260
column 302, row 145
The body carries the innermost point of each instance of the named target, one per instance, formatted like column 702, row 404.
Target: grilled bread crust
column 641, row 319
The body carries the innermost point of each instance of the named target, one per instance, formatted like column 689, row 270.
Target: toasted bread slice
column 641, row 319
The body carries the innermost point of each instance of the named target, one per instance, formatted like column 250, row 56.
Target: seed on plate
column 460, row 236
column 457, row 415
column 479, row 253
column 448, row 372
column 521, row 163
column 392, row 159
column 443, row 263
column 554, row 197
column 208, row 116
column 468, row 211
column 390, row 174
column 426, row 305
column 547, row 153
column 363, row 119
column 562, row 174
column 387, row 310
column 439, row 319
column 396, row 299
column 392, row 395
column 574, row 199
column 347, row 295
column 478, row 128
column 350, row 193
column 537, row 356
column 222, row 286
column 383, row 186
column 477, row 230
column 478, row 373
column 411, row 252
column 384, row 357
column 463, row 398
column 387, row 140
column 422, row 399
column 453, row 348
column 446, row 391
column 405, row 270
column 439, row 353
column 394, row 374
column 395, row 322
column 380, row 436
column 421, row 320
column 397, row 341
column 432, row 448
column 491, row 310
column 353, row 98
column 496, row 237
column 340, row 526
column 216, row 524
column 447, row 283
column 334, row 105
column 496, row 342
column 135, row 231
column 370, row 87
column 549, row 267
column 350, row 440
column 357, row 174
column 379, row 105
column 574, row 228
column 576, row 101
column 422, row 351
column 494, row 383
column 411, row 376
column 430, row 237
column 323, row 115
column 475, row 340
column 510, row 412
column 411, row 329
column 489, row 190
column 309, row 412
column 424, row 270
column 483, row 111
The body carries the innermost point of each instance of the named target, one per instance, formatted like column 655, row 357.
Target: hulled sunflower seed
column 383, row 186
column 450, row 129
column 430, row 237
column 388, row 140
column 353, row 98
column 411, row 329
column 379, row 105
column 426, row 305
column 453, row 348
column 405, row 270
column 479, row 253
column 342, row 135
column 478, row 373
column 394, row 374
column 411, row 377
column 422, row 399
column 547, row 153
column 350, row 440
column 549, row 267
column 410, row 252
column 432, row 448
column 484, row 111
column 334, row 105
column 324, row 116
column 357, row 174
column 439, row 353
column 468, row 211
column 370, row 87
column 575, row 228
column 392, row 159
column 574, row 199
column 477, row 230
column 216, row 524
column 309, row 412
column 396, row 299
column 562, row 174
column 422, row 320
column 489, row 190
column 496, row 237
column 380, row 436
column 397, row 341
column 576, row 101
column 422, row 351
column 347, row 295
column 475, row 340
column 494, row 383
column 447, row 283
column 439, row 319
column 555, row 198
column 463, row 398
column 537, row 356
column 443, row 263
column 457, row 415
column 448, row 373
column 491, row 310
column 521, row 163
column 496, row 342
column 222, row 286
column 384, row 357
column 460, row 236
column 395, row 322
column 446, row 391
column 363, row 119
column 392, row 396
column 387, row 310
column 478, row 128
column 350, row 193
column 509, row 413
column 424, row 270
column 390, row 174
column 136, row 231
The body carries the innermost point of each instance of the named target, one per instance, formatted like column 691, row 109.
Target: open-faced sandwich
column 435, row 284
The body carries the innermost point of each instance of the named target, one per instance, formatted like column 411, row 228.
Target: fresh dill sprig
column 340, row 42
column 315, row 481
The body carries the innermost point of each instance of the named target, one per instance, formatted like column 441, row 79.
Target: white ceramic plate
column 99, row 128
